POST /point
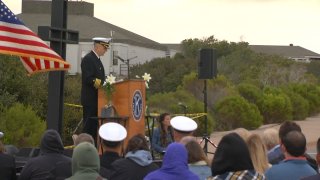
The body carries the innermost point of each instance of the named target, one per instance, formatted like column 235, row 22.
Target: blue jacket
column 156, row 140
column 290, row 169
column 174, row 165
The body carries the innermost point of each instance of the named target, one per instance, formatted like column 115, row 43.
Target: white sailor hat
column 103, row 41
column 113, row 132
column 1, row 134
column 183, row 123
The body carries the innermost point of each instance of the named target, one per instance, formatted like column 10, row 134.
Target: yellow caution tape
column 73, row 105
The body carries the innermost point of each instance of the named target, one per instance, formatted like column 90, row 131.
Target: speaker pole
column 205, row 116
column 207, row 70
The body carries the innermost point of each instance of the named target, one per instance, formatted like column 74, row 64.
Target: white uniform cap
column 182, row 123
column 1, row 134
column 103, row 41
column 113, row 132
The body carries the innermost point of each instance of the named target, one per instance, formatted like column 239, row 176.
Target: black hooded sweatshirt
column 51, row 150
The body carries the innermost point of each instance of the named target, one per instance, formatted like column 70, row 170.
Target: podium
column 128, row 99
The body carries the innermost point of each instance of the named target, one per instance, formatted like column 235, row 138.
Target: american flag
column 17, row 39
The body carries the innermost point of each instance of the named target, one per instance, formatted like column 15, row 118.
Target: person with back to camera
column 93, row 77
column 7, row 164
column 112, row 135
column 137, row 162
column 197, row 160
column 232, row 160
column 162, row 135
column 258, row 153
column 182, row 126
column 174, row 165
column 317, row 176
column 85, row 163
column 51, row 154
column 295, row 165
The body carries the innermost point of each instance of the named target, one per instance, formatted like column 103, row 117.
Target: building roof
column 80, row 18
column 286, row 51
column 176, row 47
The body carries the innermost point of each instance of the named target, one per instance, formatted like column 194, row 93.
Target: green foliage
column 311, row 93
column 217, row 88
column 234, row 112
column 190, row 47
column 166, row 73
column 16, row 86
column 169, row 102
column 275, row 106
column 300, row 106
column 21, row 125
column 313, row 68
column 72, row 115
column 250, row 92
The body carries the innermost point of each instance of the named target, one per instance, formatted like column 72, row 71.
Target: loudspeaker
column 207, row 64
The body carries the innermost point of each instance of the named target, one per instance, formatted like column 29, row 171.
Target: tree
column 234, row 112
column 21, row 125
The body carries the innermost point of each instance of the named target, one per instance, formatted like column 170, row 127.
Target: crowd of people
column 240, row 155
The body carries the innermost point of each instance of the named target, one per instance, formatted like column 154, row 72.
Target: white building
column 125, row 44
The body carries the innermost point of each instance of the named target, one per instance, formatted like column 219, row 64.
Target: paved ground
column 310, row 127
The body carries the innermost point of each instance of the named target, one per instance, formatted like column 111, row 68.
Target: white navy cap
column 113, row 132
column 1, row 134
column 103, row 41
column 183, row 123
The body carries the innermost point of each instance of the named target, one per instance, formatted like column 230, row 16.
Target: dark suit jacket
column 91, row 68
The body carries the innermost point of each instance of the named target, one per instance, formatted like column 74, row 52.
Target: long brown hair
column 195, row 152
column 163, row 134
column 137, row 142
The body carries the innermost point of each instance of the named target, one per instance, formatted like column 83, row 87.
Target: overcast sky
column 259, row 22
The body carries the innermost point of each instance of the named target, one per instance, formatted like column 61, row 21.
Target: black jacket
column 91, row 68
column 7, row 167
column 51, row 155
column 129, row 169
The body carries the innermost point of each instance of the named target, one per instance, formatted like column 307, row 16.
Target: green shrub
column 311, row 93
column 300, row 106
column 21, row 125
column 275, row 106
column 234, row 112
column 250, row 92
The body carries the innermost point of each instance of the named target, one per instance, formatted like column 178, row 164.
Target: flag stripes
column 17, row 39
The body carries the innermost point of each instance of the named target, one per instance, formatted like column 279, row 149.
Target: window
column 115, row 59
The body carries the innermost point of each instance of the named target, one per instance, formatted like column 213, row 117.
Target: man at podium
column 93, row 77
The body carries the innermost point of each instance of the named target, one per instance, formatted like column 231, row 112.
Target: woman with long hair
column 258, row 153
column 137, row 162
column 197, row 160
column 162, row 135
column 232, row 160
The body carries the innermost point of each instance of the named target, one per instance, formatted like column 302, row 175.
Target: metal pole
column 205, row 116
column 128, row 69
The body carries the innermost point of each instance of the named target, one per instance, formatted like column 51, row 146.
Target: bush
column 300, row 106
column 311, row 93
column 21, row 125
column 275, row 106
column 250, row 92
column 234, row 112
